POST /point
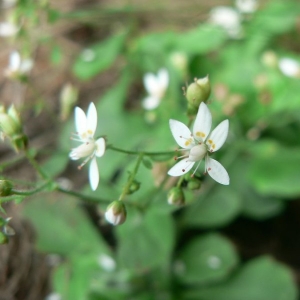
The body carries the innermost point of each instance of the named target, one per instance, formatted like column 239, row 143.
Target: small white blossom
column 246, row 6
column 227, row 18
column 289, row 67
column 8, row 29
column 200, row 144
column 18, row 66
column 90, row 148
column 156, row 87
column 106, row 262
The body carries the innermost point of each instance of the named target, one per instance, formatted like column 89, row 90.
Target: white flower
column 227, row 18
column 289, row 67
column 8, row 29
column 90, row 148
column 246, row 6
column 156, row 87
column 18, row 66
column 200, row 144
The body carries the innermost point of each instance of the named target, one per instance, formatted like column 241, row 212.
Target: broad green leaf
column 209, row 258
column 98, row 57
column 203, row 39
column 215, row 209
column 274, row 169
column 260, row 279
column 62, row 227
column 145, row 240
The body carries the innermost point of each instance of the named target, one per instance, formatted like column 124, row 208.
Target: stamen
column 196, row 168
column 85, row 161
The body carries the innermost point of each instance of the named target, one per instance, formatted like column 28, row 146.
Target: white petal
column 150, row 83
column 100, row 143
column 216, row 171
column 202, row 123
column 218, row 136
column 14, row 61
column 163, row 78
column 181, row 167
column 80, row 120
column 92, row 118
column 289, row 67
column 94, row 174
column 151, row 102
column 181, row 134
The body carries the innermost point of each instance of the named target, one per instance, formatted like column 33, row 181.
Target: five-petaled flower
column 90, row 148
column 156, row 87
column 200, row 144
column 18, row 66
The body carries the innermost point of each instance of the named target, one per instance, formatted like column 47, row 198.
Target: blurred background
column 227, row 242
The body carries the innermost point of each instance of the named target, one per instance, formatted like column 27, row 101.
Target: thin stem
column 83, row 197
column 31, row 192
column 34, row 163
column 131, row 177
column 139, row 152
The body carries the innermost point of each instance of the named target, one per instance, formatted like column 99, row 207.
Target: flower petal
column 181, row 134
column 100, row 147
column 14, row 61
column 94, row 174
column 80, row 120
column 92, row 118
column 216, row 171
column 181, row 168
column 163, row 78
column 151, row 102
column 150, row 83
column 202, row 123
column 218, row 136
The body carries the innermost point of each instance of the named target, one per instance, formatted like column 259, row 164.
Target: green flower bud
column 198, row 92
column 135, row 186
column 5, row 188
column 194, row 183
column 176, row 196
column 68, row 98
column 8, row 124
column 116, row 213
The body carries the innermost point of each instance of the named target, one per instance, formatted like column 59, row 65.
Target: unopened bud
column 194, row 183
column 176, row 196
column 198, row 92
column 11, row 127
column 116, row 213
column 68, row 97
column 5, row 188
column 9, row 121
column 135, row 186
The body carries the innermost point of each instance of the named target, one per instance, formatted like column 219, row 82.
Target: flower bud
column 5, row 188
column 176, row 196
column 194, row 183
column 68, row 98
column 135, row 186
column 11, row 127
column 9, row 121
column 198, row 92
column 116, row 213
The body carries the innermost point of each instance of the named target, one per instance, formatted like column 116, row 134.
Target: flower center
column 197, row 152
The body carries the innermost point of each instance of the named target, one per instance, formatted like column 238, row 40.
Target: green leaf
column 215, row 209
column 201, row 40
column 56, row 164
column 274, row 169
column 209, row 258
column 145, row 240
column 260, row 279
column 102, row 57
column 147, row 163
column 62, row 227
